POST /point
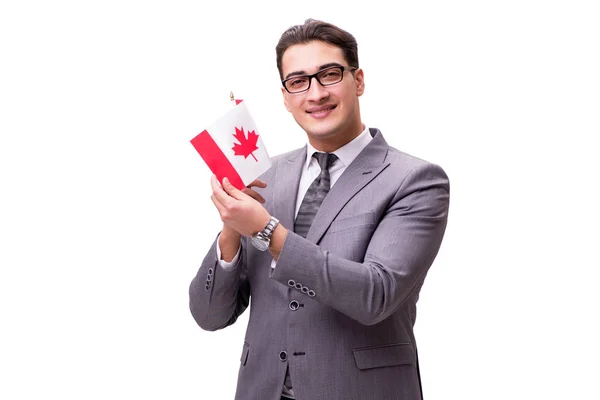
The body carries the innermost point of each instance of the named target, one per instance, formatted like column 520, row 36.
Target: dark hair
column 318, row 30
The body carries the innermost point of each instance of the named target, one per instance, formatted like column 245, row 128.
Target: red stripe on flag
column 237, row 102
column 215, row 159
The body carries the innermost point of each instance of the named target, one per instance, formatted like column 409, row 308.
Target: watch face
column 260, row 244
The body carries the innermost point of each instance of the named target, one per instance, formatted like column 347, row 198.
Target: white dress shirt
column 345, row 154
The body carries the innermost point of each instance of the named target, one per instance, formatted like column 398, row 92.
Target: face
column 329, row 115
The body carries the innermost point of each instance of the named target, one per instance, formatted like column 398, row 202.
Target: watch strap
column 268, row 230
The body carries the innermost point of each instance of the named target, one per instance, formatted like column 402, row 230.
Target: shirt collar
column 347, row 153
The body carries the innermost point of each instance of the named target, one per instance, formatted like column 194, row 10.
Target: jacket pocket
column 245, row 352
column 384, row 356
column 354, row 221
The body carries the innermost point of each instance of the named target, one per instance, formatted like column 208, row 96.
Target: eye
column 332, row 75
column 297, row 82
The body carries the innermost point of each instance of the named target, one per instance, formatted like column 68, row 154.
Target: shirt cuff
column 227, row 266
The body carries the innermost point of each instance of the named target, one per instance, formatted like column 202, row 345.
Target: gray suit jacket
column 340, row 306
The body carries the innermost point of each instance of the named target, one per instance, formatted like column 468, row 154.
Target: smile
column 321, row 111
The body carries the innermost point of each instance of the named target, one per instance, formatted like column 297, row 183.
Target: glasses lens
column 331, row 75
column 297, row 84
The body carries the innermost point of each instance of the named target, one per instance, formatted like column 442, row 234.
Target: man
column 333, row 250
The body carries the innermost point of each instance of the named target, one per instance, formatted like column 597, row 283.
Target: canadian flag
column 232, row 147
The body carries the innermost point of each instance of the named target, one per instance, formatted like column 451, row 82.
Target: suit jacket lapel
column 365, row 167
column 285, row 187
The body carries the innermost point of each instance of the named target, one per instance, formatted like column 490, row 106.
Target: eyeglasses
column 326, row 77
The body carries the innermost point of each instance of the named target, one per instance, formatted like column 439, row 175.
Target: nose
column 316, row 92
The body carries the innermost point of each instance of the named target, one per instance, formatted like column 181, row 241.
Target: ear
column 359, row 78
column 285, row 99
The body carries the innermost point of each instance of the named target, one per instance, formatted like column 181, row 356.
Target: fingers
column 217, row 204
column 218, row 192
column 221, row 201
column 257, row 183
column 254, row 194
column 232, row 190
column 214, row 183
column 223, row 192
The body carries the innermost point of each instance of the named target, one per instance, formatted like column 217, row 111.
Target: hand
column 230, row 232
column 240, row 210
column 253, row 193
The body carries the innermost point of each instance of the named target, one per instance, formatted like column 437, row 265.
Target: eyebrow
column 321, row 67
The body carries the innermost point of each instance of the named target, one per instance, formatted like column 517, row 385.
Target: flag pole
column 233, row 100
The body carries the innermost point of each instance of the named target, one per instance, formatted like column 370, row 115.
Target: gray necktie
column 315, row 194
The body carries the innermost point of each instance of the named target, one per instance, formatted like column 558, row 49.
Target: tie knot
column 325, row 160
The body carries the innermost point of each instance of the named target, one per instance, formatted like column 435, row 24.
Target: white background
column 105, row 213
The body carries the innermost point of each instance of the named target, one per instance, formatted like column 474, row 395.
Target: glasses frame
column 343, row 69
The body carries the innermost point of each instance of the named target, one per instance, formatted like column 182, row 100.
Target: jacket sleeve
column 398, row 256
column 219, row 296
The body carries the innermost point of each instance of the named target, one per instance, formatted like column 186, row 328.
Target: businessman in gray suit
column 332, row 243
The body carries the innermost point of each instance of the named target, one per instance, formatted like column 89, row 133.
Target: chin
column 322, row 130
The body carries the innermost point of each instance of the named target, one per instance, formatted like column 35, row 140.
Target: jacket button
column 311, row 293
column 283, row 356
column 294, row 305
column 291, row 283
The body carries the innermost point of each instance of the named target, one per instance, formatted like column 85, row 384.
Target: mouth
column 322, row 111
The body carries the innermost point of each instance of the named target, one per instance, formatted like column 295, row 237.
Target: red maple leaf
column 246, row 146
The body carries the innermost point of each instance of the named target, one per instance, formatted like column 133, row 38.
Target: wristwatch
column 262, row 239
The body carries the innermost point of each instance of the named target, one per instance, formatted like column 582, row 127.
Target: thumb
column 232, row 190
